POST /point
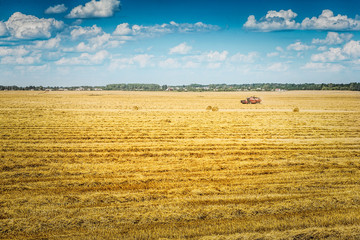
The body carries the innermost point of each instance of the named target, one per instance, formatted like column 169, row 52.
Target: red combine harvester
column 251, row 100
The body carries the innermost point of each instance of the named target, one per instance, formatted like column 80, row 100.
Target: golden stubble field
column 152, row 165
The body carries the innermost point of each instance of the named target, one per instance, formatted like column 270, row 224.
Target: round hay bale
column 209, row 108
column 135, row 108
column 215, row 109
column 296, row 109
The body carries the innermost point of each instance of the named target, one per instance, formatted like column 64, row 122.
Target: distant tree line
column 355, row 86
column 133, row 87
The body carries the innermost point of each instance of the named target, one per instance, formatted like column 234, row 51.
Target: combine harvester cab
column 251, row 100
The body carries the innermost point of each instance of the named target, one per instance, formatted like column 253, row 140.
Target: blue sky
column 98, row 42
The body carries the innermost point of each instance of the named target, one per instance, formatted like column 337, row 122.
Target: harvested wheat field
column 151, row 165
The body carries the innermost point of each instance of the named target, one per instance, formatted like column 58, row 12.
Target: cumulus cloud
column 214, row 56
column 48, row 44
column 95, row 9
column 122, row 30
column 284, row 20
column 322, row 48
column 23, row 26
column 125, row 29
column 323, row 67
column 35, row 68
column 56, row 9
column 3, row 29
column 93, row 39
column 247, row 58
column 141, row 60
column 16, row 51
column 208, row 59
column 350, row 50
column 298, row 46
column 21, row 60
column 277, row 67
column 182, row 48
column 287, row 15
column 169, row 63
column 281, row 20
column 85, row 32
column 333, row 38
column 98, row 42
column 327, row 21
column 85, row 59
column 334, row 54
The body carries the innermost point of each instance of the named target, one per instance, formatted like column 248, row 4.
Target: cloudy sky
column 98, row 42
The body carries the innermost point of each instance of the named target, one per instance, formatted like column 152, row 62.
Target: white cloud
column 334, row 54
column 56, row 9
column 21, row 60
column 277, row 67
column 214, row 56
column 283, row 20
column 30, row 27
column 327, row 21
column 323, row 67
column 208, row 59
column 352, row 49
column 249, row 58
column 141, row 60
column 322, row 48
column 86, row 32
column 170, row 63
column 298, row 46
column 16, row 51
column 122, row 29
column 333, row 38
column 355, row 64
column 182, row 48
column 95, row 9
column 34, row 68
column 48, row 44
column 211, row 59
column 3, row 29
column 287, row 15
column 125, row 29
column 98, row 42
column 77, row 22
column 85, row 59
column 93, row 39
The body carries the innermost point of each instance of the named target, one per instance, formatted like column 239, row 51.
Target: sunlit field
column 151, row 165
